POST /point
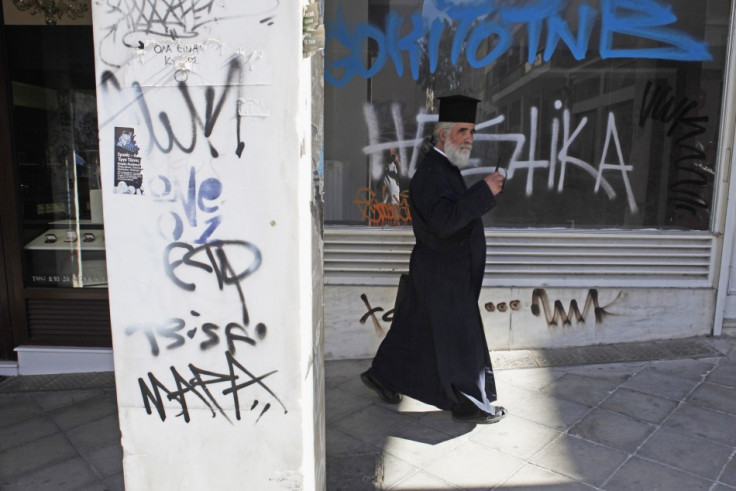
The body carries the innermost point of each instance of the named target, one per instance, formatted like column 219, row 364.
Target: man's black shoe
column 480, row 417
column 387, row 395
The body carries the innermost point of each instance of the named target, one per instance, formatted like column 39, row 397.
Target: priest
column 436, row 349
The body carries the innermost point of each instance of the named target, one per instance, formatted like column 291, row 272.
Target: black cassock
column 436, row 347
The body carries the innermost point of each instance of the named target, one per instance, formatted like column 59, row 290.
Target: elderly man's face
column 458, row 142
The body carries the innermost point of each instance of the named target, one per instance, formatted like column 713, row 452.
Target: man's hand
column 495, row 182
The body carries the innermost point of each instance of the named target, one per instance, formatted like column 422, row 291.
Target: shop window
column 51, row 70
column 605, row 113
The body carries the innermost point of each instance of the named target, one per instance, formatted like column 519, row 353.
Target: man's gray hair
column 442, row 126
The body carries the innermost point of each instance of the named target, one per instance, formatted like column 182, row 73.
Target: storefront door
column 6, row 339
column 54, row 288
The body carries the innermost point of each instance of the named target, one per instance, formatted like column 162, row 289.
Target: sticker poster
column 128, row 177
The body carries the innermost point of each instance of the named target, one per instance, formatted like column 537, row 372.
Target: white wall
column 210, row 256
column 358, row 317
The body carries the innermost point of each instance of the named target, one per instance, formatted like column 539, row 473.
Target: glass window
column 56, row 150
column 604, row 113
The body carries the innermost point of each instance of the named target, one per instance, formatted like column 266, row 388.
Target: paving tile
column 645, row 475
column 705, row 423
column 115, row 483
column 340, row 402
column 338, row 443
column 51, row 401
column 534, row 478
column 71, row 381
column 13, row 400
column 358, row 388
column 419, row 444
column 422, row 480
column 601, row 353
column 558, row 414
column 339, row 371
column 613, row 430
column 642, row 351
column 723, row 343
column 729, row 473
column 371, row 424
column 394, row 470
column 688, row 368
column 26, row 431
column 442, row 420
column 660, row 384
column 414, row 408
column 83, row 412
column 104, row 380
column 504, row 360
column 581, row 389
column 27, row 383
column 529, row 378
column 515, row 436
column 472, row 465
column 96, row 433
column 685, row 348
column 714, row 397
column 556, row 357
column 354, row 472
column 692, row 454
column 98, row 486
column 723, row 375
column 15, row 408
column 511, row 396
column 34, row 455
column 580, row 459
column 614, row 372
column 70, row 474
column 730, row 356
column 107, row 460
column 639, row 405
column 542, row 401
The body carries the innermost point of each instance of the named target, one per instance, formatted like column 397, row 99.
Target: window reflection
column 603, row 116
column 56, row 149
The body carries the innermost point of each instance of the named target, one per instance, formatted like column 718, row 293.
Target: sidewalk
column 633, row 416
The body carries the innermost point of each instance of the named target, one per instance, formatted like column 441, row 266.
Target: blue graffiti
column 203, row 197
column 471, row 26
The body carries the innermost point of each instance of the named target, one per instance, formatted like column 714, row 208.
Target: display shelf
column 61, row 244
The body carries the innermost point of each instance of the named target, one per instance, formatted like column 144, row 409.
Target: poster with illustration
column 128, row 177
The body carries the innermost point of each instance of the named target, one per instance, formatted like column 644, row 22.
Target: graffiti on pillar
column 132, row 24
column 188, row 198
column 234, row 377
column 196, row 206
column 183, row 134
column 198, row 267
column 212, row 258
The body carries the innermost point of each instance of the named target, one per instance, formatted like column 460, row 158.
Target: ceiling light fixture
column 54, row 9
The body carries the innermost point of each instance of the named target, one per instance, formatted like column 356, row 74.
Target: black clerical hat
column 458, row 109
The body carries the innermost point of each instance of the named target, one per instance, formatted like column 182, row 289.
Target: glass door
column 56, row 152
column 53, row 233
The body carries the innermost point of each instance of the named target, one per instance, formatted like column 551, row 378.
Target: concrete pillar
column 213, row 241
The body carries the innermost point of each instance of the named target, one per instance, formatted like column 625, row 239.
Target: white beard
column 459, row 155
